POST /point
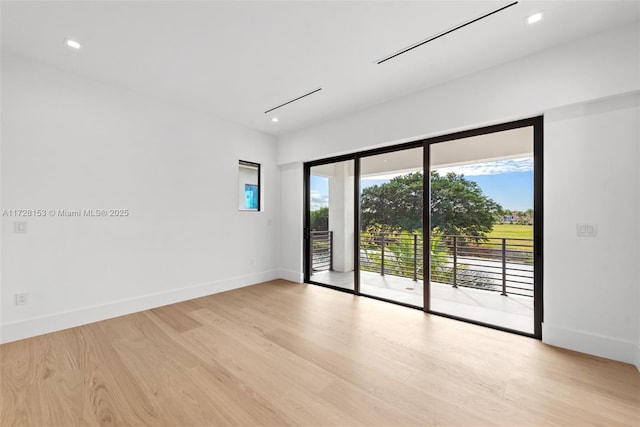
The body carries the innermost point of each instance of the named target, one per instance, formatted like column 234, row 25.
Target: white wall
column 606, row 65
column 292, row 220
column 341, row 215
column 591, row 68
column 73, row 143
column 591, row 163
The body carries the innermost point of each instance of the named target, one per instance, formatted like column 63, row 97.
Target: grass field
column 512, row 231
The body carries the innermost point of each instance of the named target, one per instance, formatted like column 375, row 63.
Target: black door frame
column 307, row 221
column 538, row 219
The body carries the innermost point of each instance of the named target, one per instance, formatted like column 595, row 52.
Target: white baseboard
column 68, row 319
column 292, row 276
column 585, row 342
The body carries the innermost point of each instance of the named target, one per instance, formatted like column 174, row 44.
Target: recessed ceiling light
column 72, row 43
column 534, row 18
column 275, row 119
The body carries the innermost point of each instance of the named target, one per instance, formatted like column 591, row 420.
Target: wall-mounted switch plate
column 20, row 227
column 586, row 230
column 22, row 299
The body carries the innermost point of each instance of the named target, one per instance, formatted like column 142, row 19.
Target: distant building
column 508, row 219
column 515, row 219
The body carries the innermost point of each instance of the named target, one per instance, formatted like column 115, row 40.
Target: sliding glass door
column 451, row 225
column 329, row 233
column 391, row 226
column 482, row 228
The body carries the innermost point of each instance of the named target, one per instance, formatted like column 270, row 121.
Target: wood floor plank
column 280, row 353
column 289, row 383
column 175, row 317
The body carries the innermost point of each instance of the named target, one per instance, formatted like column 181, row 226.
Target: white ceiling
column 508, row 144
column 502, row 145
column 237, row 59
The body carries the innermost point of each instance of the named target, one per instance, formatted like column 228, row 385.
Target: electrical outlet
column 22, row 299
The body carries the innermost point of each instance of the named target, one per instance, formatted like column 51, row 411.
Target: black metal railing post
column 504, row 267
column 415, row 257
column 455, row 261
column 330, row 250
column 382, row 254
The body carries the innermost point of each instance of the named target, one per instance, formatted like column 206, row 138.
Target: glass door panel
column 391, row 216
column 481, row 221
column 331, row 233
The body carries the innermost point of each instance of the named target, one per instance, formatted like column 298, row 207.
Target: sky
column 319, row 192
column 507, row 182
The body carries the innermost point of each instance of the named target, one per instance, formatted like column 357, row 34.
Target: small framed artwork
column 249, row 186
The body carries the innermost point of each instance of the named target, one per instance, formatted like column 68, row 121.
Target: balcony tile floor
column 512, row 312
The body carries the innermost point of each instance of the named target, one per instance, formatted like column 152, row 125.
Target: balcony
column 486, row 279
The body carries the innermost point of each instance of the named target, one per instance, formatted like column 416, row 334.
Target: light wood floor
column 280, row 353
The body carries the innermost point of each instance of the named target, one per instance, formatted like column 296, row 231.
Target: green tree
column 458, row 206
column 397, row 203
column 320, row 219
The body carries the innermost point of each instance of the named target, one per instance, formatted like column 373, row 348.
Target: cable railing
column 494, row 264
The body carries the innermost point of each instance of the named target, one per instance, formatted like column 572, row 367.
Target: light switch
column 20, row 227
column 586, row 230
